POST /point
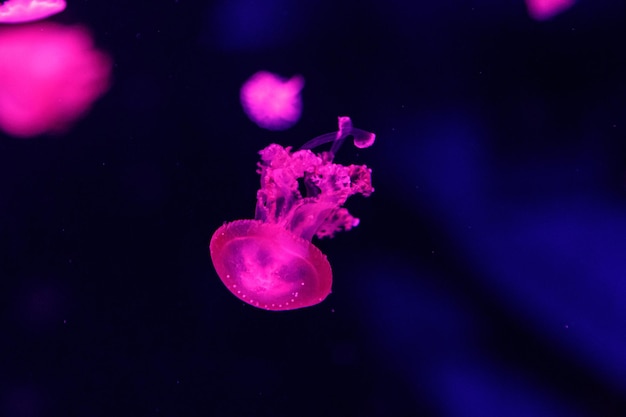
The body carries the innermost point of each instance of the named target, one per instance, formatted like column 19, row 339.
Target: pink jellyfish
column 547, row 9
column 270, row 262
column 272, row 102
column 49, row 76
column 16, row 11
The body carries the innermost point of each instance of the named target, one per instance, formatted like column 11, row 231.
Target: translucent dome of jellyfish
column 17, row 11
column 270, row 262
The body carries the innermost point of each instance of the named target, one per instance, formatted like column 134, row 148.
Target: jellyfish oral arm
column 327, row 185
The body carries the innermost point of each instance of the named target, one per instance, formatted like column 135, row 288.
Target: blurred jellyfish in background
column 17, row 11
column 272, row 102
column 49, row 77
column 547, row 9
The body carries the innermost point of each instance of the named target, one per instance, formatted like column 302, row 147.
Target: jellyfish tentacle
column 362, row 138
column 328, row 186
column 345, row 129
column 319, row 140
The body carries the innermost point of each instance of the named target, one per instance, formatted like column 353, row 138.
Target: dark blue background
column 487, row 277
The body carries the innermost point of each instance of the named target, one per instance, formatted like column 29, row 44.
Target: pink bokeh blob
column 16, row 11
column 547, row 9
column 272, row 102
column 49, row 76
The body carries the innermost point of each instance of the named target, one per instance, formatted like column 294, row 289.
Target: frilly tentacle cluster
column 326, row 186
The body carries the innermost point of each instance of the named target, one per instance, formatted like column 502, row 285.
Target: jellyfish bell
column 268, row 267
column 18, row 11
column 270, row 262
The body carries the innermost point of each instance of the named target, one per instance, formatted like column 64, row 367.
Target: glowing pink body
column 49, row 77
column 272, row 102
column 16, row 11
column 547, row 9
column 270, row 262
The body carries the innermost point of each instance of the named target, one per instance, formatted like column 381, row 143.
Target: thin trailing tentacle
column 362, row 138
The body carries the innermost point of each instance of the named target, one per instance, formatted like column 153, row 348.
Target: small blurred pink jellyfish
column 272, row 102
column 17, row 11
column 547, row 9
column 270, row 262
column 49, row 76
